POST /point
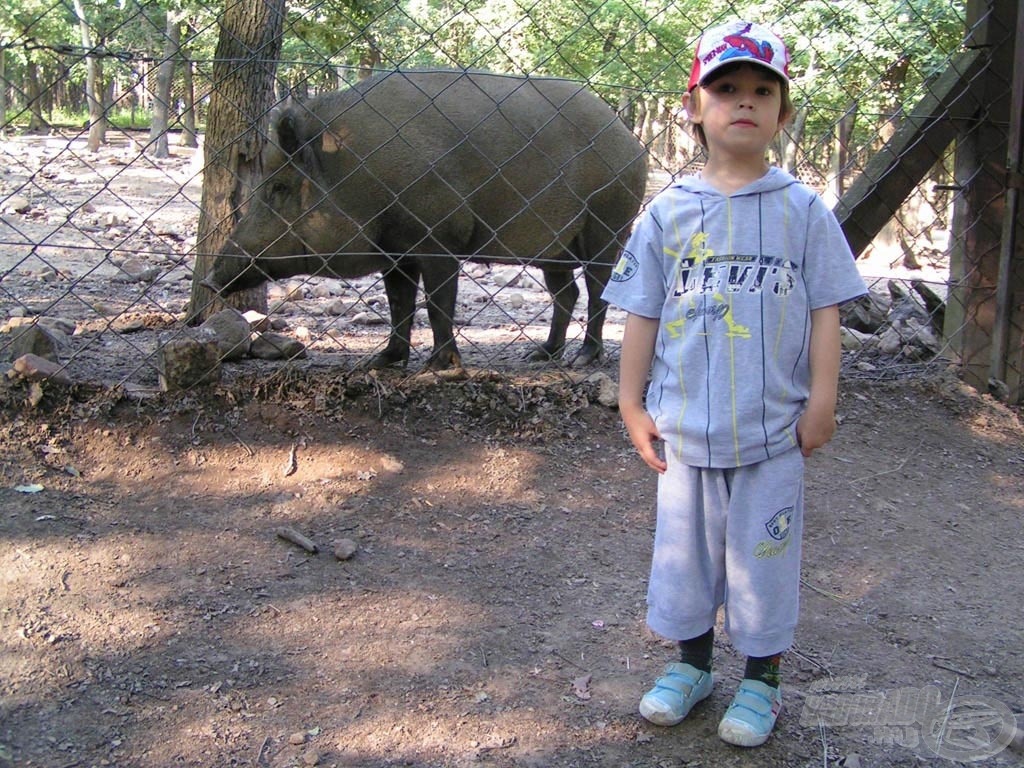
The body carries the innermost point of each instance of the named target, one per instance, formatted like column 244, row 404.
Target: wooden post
column 979, row 213
column 1007, row 366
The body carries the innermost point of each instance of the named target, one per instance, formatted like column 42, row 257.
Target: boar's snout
column 210, row 282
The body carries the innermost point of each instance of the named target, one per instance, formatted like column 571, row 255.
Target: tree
column 94, row 83
column 164, row 81
column 189, row 136
column 248, row 48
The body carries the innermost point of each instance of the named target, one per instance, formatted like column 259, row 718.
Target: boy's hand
column 644, row 435
column 814, row 429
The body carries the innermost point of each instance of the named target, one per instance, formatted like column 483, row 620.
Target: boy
column 732, row 282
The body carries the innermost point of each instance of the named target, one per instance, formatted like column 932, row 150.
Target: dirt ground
column 492, row 614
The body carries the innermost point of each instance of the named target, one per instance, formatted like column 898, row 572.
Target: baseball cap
column 738, row 41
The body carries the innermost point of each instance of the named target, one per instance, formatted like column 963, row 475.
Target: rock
column 311, row 757
column 231, row 330
column 344, row 549
column 853, row 340
column 34, row 339
column 890, row 342
column 127, row 324
column 17, row 204
column 370, row 318
column 190, row 359
column 59, row 324
column 35, row 368
column 275, row 346
column 607, row 389
column 293, row 290
column 919, row 331
column 16, row 321
column 867, row 313
column 320, row 291
column 506, row 277
column 475, row 270
column 297, row 739
column 339, row 307
column 136, row 271
column 257, row 320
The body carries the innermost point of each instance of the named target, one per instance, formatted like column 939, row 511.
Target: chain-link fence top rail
column 104, row 111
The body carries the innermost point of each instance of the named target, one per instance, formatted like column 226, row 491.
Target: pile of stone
column 895, row 321
column 31, row 348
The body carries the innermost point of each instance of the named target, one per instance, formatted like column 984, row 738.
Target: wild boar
column 408, row 172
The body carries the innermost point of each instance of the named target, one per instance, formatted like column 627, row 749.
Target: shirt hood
column 775, row 179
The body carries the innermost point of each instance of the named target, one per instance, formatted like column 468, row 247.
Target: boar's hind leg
column 441, row 284
column 562, row 286
column 400, row 284
column 596, row 277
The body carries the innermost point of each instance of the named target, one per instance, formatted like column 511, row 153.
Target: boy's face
column 739, row 111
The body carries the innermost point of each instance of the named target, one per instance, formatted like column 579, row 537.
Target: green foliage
column 877, row 56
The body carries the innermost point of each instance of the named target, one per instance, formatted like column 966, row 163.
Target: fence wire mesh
column 115, row 119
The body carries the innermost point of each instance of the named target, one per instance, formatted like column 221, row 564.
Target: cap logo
column 743, row 41
column 747, row 47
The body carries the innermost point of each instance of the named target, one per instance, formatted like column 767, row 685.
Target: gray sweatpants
column 729, row 537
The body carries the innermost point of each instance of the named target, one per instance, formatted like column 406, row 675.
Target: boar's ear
column 287, row 132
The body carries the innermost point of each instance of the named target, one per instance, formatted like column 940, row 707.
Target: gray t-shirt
column 733, row 280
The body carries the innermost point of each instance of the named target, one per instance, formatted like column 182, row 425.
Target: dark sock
column 765, row 669
column 697, row 650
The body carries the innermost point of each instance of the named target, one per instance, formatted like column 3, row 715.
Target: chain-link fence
column 134, row 136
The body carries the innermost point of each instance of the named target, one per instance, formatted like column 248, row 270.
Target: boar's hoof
column 544, row 353
column 589, row 353
column 386, row 359
column 442, row 360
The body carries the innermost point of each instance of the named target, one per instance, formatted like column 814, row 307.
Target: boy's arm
column 638, row 340
column 818, row 421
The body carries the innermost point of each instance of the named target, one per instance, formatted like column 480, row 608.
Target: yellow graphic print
column 698, row 253
column 699, row 250
column 736, row 331
column 675, row 327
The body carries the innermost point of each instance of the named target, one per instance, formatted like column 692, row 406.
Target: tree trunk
column 36, row 121
column 94, row 84
column 189, row 137
column 248, row 48
column 790, row 139
column 3, row 93
column 162, row 98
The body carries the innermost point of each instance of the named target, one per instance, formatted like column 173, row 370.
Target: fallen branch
column 290, row 534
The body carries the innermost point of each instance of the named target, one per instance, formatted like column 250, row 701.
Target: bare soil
column 152, row 615
column 492, row 613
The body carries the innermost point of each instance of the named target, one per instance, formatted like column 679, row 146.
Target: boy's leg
column 763, row 554
column 763, row 566
column 686, row 586
column 697, row 651
column 687, row 580
column 764, row 669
